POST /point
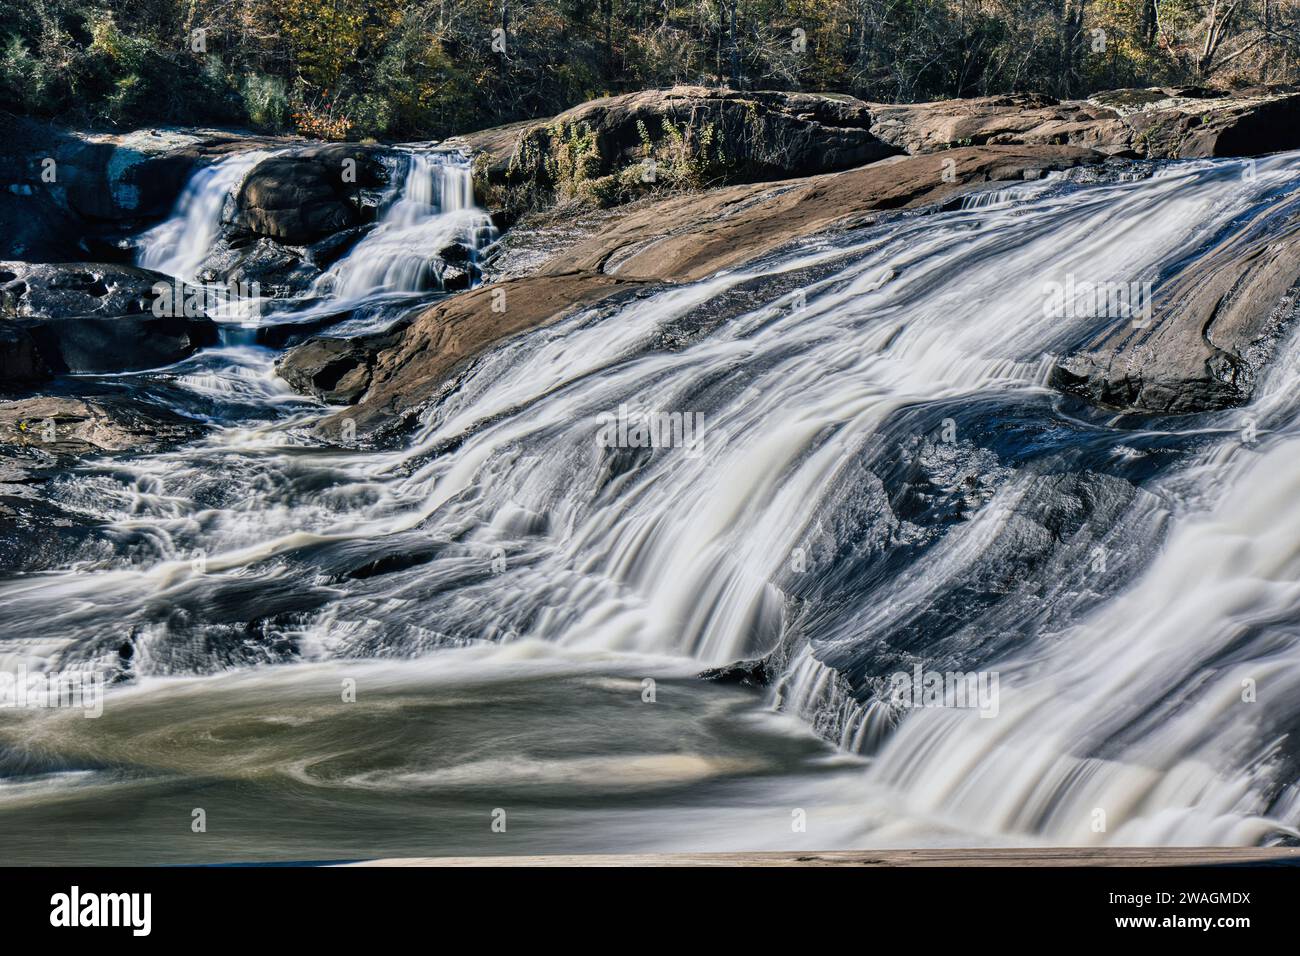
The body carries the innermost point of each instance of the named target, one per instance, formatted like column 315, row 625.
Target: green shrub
column 266, row 100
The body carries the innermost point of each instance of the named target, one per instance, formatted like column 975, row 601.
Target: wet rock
column 138, row 175
column 335, row 370
column 1212, row 329
column 119, row 343
column 456, row 252
column 754, row 673
column 454, row 278
column 1061, row 543
column 47, row 290
column 86, row 317
column 62, row 426
column 279, row 271
column 303, row 196
column 331, row 249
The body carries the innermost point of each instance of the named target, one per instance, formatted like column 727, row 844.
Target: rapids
column 883, row 480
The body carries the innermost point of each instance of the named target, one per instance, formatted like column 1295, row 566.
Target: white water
column 1123, row 697
column 434, row 208
column 179, row 245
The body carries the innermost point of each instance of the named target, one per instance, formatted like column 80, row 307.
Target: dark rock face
column 21, row 364
column 335, row 370
column 66, row 195
column 119, row 343
column 90, row 317
column 304, row 196
column 331, row 249
column 34, row 226
column 986, row 605
column 1212, row 329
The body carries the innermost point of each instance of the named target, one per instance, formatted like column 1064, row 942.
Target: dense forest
column 426, row 68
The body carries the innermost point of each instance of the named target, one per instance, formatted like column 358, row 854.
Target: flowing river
column 337, row 652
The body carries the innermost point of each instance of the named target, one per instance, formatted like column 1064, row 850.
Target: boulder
column 279, row 270
column 755, row 673
column 695, row 135
column 138, row 175
column 305, row 195
column 124, row 343
column 91, row 317
column 335, row 370
column 1212, row 329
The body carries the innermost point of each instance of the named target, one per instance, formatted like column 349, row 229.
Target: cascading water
column 882, row 480
column 433, row 209
column 179, row 245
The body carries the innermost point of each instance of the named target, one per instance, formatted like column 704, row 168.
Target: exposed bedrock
column 677, row 239
column 67, row 195
column 1213, row 328
column 60, row 425
column 87, row 317
column 692, row 135
column 1173, row 123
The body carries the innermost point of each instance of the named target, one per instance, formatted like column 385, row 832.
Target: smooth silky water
column 523, row 611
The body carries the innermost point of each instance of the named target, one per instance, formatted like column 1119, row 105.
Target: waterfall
column 178, row 245
column 878, row 454
column 432, row 209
